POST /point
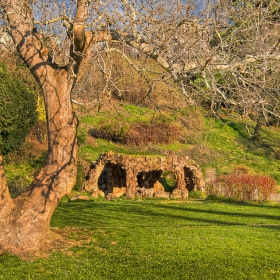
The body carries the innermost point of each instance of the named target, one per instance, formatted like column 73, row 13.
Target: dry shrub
column 138, row 134
column 111, row 131
column 240, row 169
column 157, row 133
column 243, row 187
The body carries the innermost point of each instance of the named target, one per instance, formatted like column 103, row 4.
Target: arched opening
column 148, row 179
column 112, row 176
column 149, row 183
column 169, row 181
column 189, row 179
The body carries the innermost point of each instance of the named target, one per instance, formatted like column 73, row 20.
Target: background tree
column 217, row 51
column 224, row 53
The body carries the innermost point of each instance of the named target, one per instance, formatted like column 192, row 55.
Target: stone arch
column 149, row 183
column 117, row 174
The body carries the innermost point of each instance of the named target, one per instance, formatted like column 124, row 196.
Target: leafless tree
column 215, row 50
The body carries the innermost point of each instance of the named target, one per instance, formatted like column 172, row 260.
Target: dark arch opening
column 148, row 179
column 189, row 179
column 112, row 176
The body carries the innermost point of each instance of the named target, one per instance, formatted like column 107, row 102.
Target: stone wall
column 114, row 175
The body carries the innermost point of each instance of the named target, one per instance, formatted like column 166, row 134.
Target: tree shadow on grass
column 222, row 213
column 259, row 147
column 148, row 215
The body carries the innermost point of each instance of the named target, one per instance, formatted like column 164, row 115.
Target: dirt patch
column 58, row 240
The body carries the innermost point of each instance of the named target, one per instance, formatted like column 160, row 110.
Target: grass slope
column 233, row 145
column 160, row 240
column 221, row 143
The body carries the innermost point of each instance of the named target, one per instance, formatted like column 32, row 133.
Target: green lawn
column 156, row 239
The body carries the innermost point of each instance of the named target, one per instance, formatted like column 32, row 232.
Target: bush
column 240, row 169
column 110, row 130
column 17, row 111
column 157, row 133
column 197, row 195
column 138, row 134
column 243, row 187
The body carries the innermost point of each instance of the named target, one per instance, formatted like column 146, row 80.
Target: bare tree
column 222, row 52
column 213, row 49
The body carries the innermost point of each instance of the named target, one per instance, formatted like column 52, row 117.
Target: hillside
column 222, row 143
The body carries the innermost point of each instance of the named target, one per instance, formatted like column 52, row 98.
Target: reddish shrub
column 243, row 187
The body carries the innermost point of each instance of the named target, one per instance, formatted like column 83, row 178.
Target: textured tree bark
column 4, row 192
column 257, row 130
column 25, row 220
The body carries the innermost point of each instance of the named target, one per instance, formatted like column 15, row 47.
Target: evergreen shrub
column 17, row 111
column 197, row 195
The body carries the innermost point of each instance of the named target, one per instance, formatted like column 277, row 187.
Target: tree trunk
column 257, row 130
column 4, row 192
column 25, row 221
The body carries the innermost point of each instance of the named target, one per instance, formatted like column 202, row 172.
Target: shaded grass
column 160, row 240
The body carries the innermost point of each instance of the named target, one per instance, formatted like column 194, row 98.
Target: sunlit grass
column 160, row 240
column 232, row 141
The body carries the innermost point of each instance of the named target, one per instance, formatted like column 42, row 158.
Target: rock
column 176, row 195
column 150, row 192
column 111, row 196
column 94, row 194
column 161, row 195
column 101, row 193
column 158, row 187
column 185, row 194
column 79, row 197
column 118, row 192
column 179, row 194
column 145, row 192
column 97, row 193
column 89, row 187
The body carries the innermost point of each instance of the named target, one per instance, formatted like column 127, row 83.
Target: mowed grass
column 157, row 239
